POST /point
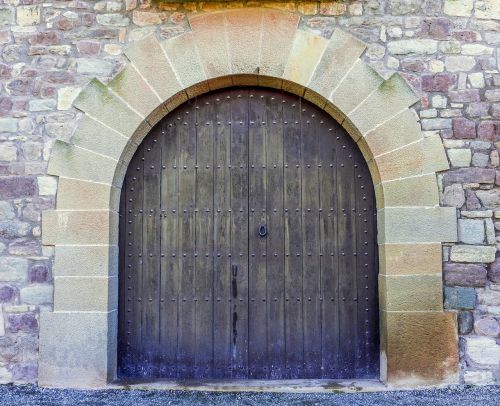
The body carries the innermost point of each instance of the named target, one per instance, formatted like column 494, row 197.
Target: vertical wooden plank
column 151, row 252
column 239, row 232
column 170, row 272
column 275, row 235
column 204, row 236
column 257, row 278
column 294, row 335
column 367, row 343
column 222, row 238
column 310, row 254
column 328, row 238
column 185, row 118
column 346, row 217
column 134, row 185
column 124, row 272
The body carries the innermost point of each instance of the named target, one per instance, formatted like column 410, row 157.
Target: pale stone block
column 410, row 259
column 413, row 46
column 113, row 20
column 342, row 52
column 8, row 151
column 243, row 31
column 70, row 356
column 354, row 88
column 79, row 227
column 483, row 351
column 472, row 253
column 185, row 60
column 488, row 9
column 212, row 43
column 471, row 231
column 94, row 67
column 489, row 198
column 148, row 57
column 42, row 105
column 71, row 161
column 477, row 213
column 459, row 157
column 86, row 260
column 6, row 211
column 95, row 137
column 436, row 66
column 278, row 31
column 476, row 49
column 132, row 88
column 461, row 8
column 417, row 224
column 305, row 54
column 477, row 80
column 478, row 378
column 13, row 269
column 37, row 294
column 47, row 185
column 490, row 231
column 459, row 63
column 439, row 101
column 75, row 293
column 413, row 191
column 96, row 100
column 74, row 194
column 393, row 95
column 66, row 96
column 411, row 292
column 28, row 15
column 8, row 125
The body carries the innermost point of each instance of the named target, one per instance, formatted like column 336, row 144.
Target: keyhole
column 262, row 230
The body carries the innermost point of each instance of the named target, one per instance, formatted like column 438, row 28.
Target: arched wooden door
column 248, row 245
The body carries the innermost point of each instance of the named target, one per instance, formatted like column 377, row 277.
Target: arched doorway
column 248, row 245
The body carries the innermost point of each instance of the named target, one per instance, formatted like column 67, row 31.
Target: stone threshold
column 256, row 385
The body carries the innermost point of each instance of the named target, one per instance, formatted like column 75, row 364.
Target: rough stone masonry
column 448, row 50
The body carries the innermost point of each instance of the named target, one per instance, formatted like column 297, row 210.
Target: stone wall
column 447, row 50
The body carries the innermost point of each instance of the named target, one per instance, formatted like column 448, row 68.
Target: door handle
column 262, row 230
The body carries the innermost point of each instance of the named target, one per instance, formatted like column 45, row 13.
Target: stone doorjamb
column 257, row 47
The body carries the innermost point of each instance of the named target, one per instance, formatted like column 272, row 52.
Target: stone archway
column 78, row 339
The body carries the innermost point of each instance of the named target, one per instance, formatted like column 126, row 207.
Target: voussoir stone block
column 86, row 260
column 244, row 30
column 84, row 293
column 71, row 161
column 96, row 137
column 419, row 348
column 186, row 62
column 96, row 100
column 342, row 51
column 148, row 57
column 427, row 156
column 353, row 89
column 131, row 87
column 75, row 194
column 70, row 356
column 211, row 41
column 307, row 50
column 392, row 96
column 410, row 259
column 415, row 191
column 401, row 130
column 278, row 31
column 79, row 227
column 417, row 224
column 411, row 292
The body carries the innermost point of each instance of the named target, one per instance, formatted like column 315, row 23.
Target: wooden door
column 248, row 245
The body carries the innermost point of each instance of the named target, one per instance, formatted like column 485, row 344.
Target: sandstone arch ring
column 247, row 47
